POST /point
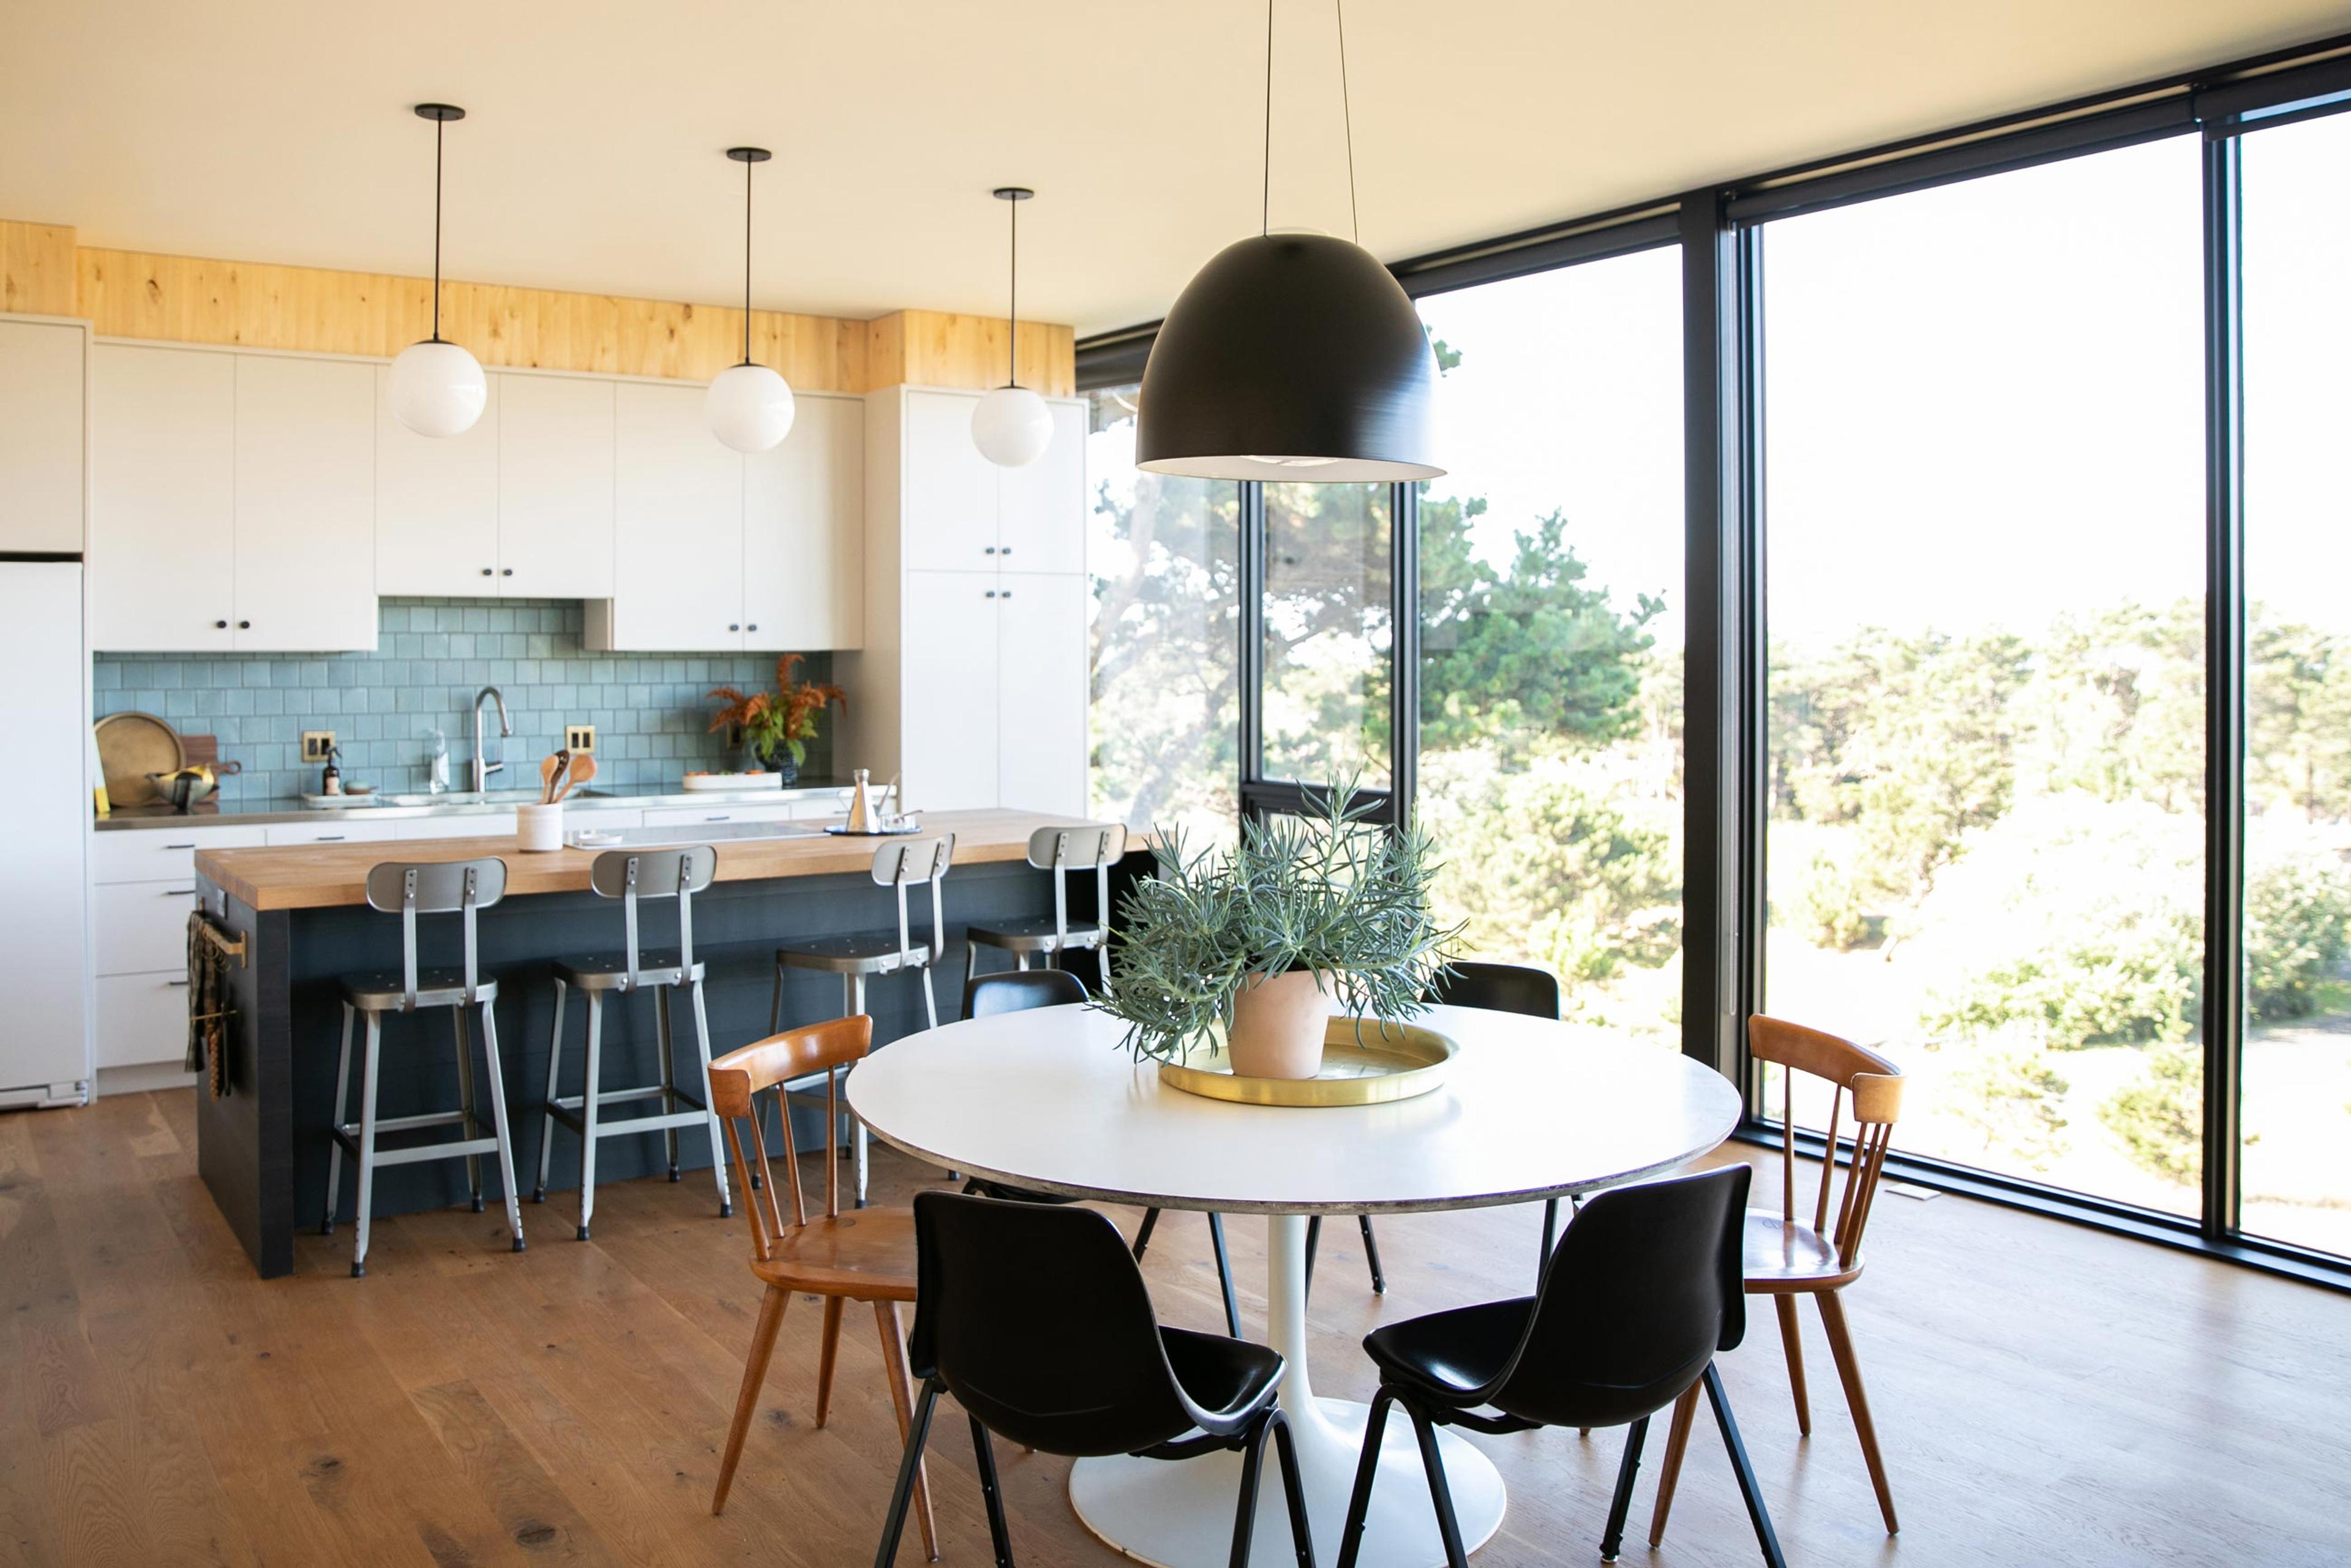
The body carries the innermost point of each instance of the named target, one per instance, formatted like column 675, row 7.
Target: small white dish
column 594, row 839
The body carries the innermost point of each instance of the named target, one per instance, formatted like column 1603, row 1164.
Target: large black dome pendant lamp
column 1290, row 357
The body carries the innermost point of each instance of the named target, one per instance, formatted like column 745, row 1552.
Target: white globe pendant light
column 1012, row 427
column 749, row 407
column 437, row 388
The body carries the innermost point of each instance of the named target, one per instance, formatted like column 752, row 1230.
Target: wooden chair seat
column 865, row 1255
column 1783, row 1254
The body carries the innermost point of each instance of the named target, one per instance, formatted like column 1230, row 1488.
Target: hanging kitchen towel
column 207, row 1007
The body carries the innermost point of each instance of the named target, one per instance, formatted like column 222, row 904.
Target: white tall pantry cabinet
column 972, row 681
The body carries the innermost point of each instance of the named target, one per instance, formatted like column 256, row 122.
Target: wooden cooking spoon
column 548, row 769
column 582, row 769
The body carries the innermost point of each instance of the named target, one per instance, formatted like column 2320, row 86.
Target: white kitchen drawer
column 159, row 854
column 601, row 819
column 812, row 808
column 494, row 824
column 685, row 816
column 329, row 833
column 142, row 926
column 142, row 1019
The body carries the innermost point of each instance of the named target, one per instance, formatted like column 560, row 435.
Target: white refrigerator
column 45, row 814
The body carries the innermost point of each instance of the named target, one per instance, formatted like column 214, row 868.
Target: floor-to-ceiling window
column 1329, row 635
column 1551, row 575
column 2296, row 1072
column 1164, row 556
column 1983, row 515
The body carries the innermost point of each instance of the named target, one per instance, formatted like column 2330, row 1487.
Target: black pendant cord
column 1347, row 109
column 1265, row 212
column 439, row 125
column 746, row 260
column 1013, row 349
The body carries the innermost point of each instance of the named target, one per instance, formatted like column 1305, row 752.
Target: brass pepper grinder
column 861, row 810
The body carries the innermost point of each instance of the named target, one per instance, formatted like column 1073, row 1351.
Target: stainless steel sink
column 478, row 798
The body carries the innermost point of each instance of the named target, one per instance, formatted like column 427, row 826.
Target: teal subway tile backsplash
column 649, row 710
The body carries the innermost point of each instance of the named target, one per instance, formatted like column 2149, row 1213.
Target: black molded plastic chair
column 1647, row 1287
column 1016, row 990
column 1036, row 1319
column 1502, row 989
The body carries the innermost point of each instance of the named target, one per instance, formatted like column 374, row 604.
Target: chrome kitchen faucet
column 483, row 767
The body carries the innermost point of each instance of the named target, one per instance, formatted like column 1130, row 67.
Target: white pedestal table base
column 1180, row 1514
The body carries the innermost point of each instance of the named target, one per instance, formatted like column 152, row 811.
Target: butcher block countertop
column 324, row 876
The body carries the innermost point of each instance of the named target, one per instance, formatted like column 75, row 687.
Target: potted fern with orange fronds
column 782, row 720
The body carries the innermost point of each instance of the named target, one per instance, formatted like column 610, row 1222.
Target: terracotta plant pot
column 1278, row 1022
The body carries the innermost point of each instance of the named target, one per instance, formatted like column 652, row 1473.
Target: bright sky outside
column 1986, row 400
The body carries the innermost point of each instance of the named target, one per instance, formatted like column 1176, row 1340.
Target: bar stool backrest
column 1084, row 846
column 913, row 863
column 631, row 875
column 438, row 887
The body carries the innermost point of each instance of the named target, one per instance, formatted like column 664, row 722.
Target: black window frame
column 1725, row 729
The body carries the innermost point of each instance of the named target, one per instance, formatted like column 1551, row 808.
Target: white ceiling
column 279, row 130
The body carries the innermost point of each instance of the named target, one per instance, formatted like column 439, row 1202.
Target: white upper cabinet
column 163, row 534
column 41, row 398
column 949, row 728
column 305, row 504
column 1041, row 509
column 436, row 505
column 948, row 500
column 1041, row 657
column 678, row 533
column 804, row 531
column 555, row 486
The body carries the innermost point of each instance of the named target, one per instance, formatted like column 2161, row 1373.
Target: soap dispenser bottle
column 330, row 782
column 438, row 761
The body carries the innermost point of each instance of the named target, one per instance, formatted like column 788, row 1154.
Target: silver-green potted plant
column 1257, row 941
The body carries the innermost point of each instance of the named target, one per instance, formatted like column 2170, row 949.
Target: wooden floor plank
column 2045, row 1393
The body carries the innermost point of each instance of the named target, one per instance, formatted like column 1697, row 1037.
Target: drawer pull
column 723, row 818
column 175, row 982
column 179, row 846
column 330, row 838
column 178, row 892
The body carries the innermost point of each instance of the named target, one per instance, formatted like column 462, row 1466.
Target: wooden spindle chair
column 867, row 1257
column 1786, row 1258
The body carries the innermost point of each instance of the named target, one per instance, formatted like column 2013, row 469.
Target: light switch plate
column 579, row 737
column 316, row 744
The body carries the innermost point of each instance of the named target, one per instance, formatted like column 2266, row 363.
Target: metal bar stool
column 1084, row 846
column 461, row 887
column 910, row 863
column 635, row 876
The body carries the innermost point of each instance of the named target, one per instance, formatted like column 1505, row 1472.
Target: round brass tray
column 1369, row 1065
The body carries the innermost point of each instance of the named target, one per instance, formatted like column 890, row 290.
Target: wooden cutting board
column 130, row 745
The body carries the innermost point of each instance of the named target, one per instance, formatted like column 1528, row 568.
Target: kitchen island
column 302, row 913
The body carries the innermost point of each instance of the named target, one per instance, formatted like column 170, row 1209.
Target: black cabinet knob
column 1007, row 593
column 485, row 571
column 731, row 626
column 990, row 550
column 753, row 627
column 1004, row 550
column 220, row 625
column 508, row 572
column 245, row 625
column 991, row 593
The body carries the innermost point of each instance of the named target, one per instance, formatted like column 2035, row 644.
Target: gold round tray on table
column 1365, row 1065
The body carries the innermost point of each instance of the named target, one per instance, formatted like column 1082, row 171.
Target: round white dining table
column 1530, row 1109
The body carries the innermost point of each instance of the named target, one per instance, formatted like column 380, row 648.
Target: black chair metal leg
column 1313, row 1244
column 1225, row 1276
column 1439, row 1492
column 895, row 1525
column 1367, row 1471
column 1748, row 1489
column 983, row 1448
column 1550, row 1238
column 1143, row 1236
column 1293, row 1489
column 1245, row 1516
column 1371, row 1253
column 1612, row 1540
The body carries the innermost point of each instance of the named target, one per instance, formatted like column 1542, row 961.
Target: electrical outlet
column 579, row 737
column 316, row 744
